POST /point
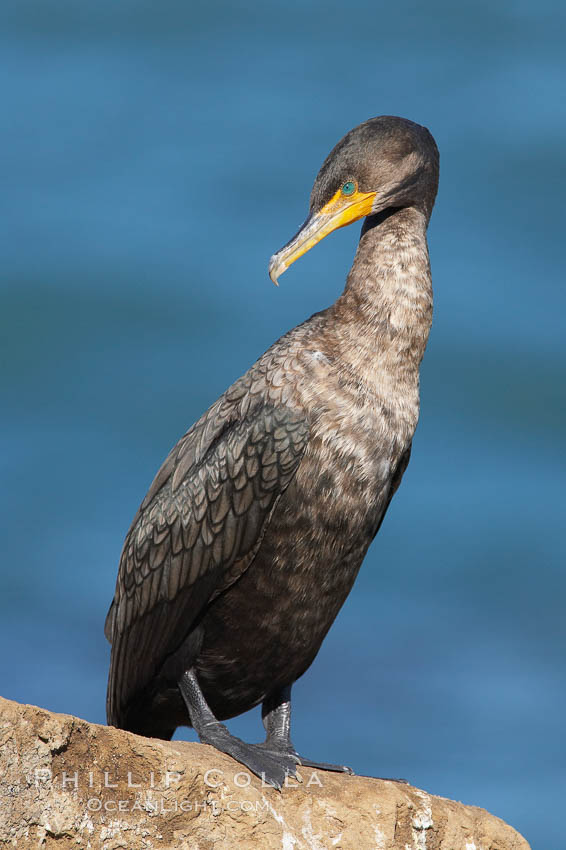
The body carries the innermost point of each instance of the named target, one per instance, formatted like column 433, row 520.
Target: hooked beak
column 339, row 211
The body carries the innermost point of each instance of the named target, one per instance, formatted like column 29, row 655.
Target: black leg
column 276, row 714
column 271, row 766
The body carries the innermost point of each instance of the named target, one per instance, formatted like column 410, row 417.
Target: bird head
column 384, row 163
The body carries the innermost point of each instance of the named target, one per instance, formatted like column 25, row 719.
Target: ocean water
column 154, row 157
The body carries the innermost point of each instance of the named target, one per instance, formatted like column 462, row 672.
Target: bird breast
column 364, row 418
column 356, row 440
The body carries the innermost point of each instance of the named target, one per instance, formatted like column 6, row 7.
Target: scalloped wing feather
column 196, row 532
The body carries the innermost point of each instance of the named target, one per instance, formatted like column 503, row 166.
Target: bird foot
column 323, row 765
column 275, row 749
column 272, row 767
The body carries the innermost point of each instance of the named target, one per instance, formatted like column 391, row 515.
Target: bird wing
column 197, row 530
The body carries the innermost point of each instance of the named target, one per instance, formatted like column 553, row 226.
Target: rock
column 66, row 783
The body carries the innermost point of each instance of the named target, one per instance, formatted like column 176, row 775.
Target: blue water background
column 153, row 157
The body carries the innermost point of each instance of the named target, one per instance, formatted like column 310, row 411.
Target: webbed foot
column 273, row 748
column 271, row 766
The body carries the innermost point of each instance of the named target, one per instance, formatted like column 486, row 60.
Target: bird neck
column 385, row 311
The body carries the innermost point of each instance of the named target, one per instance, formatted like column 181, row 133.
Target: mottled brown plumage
column 251, row 535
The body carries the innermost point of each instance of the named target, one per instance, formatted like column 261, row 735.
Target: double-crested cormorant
column 254, row 529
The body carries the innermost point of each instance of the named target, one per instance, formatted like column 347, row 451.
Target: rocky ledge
column 66, row 783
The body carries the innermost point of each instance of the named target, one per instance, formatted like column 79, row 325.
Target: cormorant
column 254, row 529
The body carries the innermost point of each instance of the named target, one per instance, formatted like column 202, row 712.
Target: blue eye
column 348, row 188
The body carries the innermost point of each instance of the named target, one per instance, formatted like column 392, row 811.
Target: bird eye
column 349, row 188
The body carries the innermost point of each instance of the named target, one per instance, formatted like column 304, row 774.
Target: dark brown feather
column 224, row 525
